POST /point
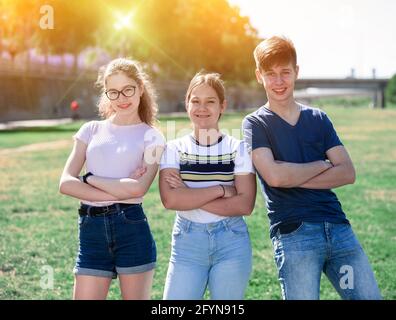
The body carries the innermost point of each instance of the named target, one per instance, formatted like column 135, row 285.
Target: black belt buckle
column 96, row 211
column 106, row 209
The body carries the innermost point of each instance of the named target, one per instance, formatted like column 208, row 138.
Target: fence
column 39, row 91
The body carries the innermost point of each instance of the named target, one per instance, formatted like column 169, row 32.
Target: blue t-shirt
column 306, row 141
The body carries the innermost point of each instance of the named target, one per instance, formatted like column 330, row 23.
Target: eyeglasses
column 128, row 92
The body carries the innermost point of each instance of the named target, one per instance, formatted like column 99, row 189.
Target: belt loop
column 188, row 226
column 226, row 224
column 88, row 211
column 118, row 208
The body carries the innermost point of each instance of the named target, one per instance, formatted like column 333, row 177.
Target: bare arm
column 129, row 187
column 72, row 186
column 285, row 174
column 185, row 198
column 240, row 204
column 342, row 172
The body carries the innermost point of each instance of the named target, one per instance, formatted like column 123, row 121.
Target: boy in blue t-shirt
column 299, row 159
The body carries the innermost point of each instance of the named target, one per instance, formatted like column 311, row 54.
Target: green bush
column 390, row 92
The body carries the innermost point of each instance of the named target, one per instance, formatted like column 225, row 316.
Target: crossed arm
column 137, row 184
column 71, row 185
column 104, row 189
column 242, row 203
column 313, row 175
column 235, row 201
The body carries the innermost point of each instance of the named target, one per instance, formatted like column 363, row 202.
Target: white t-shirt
column 116, row 151
column 206, row 166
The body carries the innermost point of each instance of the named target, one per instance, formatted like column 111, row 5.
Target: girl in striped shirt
column 208, row 178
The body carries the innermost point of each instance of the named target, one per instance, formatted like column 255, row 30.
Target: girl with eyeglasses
column 121, row 154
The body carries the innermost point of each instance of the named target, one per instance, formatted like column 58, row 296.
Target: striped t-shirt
column 205, row 166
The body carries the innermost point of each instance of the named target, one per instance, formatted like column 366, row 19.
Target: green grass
column 12, row 138
column 349, row 101
column 22, row 136
column 39, row 226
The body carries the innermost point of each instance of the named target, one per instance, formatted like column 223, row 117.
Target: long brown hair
column 148, row 107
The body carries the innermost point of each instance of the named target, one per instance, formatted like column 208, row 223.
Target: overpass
column 45, row 92
column 376, row 86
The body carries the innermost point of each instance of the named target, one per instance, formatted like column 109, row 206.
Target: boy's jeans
column 303, row 254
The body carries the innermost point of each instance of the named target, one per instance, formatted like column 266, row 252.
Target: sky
column 331, row 36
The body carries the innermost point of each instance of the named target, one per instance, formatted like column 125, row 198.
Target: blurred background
column 50, row 53
column 51, row 50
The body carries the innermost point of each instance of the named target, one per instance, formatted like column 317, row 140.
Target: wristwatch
column 85, row 176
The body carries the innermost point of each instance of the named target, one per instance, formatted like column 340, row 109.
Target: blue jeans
column 214, row 255
column 303, row 254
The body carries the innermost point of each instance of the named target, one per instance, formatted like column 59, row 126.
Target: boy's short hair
column 274, row 51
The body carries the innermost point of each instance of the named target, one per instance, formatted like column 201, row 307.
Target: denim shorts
column 117, row 242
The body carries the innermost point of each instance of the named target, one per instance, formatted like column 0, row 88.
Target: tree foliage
column 184, row 36
column 17, row 25
column 179, row 37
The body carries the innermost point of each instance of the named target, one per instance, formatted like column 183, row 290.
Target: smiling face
column 204, row 107
column 127, row 103
column 278, row 82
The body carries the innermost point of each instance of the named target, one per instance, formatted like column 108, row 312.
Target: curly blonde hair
column 148, row 107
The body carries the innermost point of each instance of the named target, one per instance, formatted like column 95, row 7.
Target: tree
column 188, row 35
column 75, row 27
column 391, row 90
column 179, row 37
column 17, row 24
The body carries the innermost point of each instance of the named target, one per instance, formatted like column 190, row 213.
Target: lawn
column 39, row 226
